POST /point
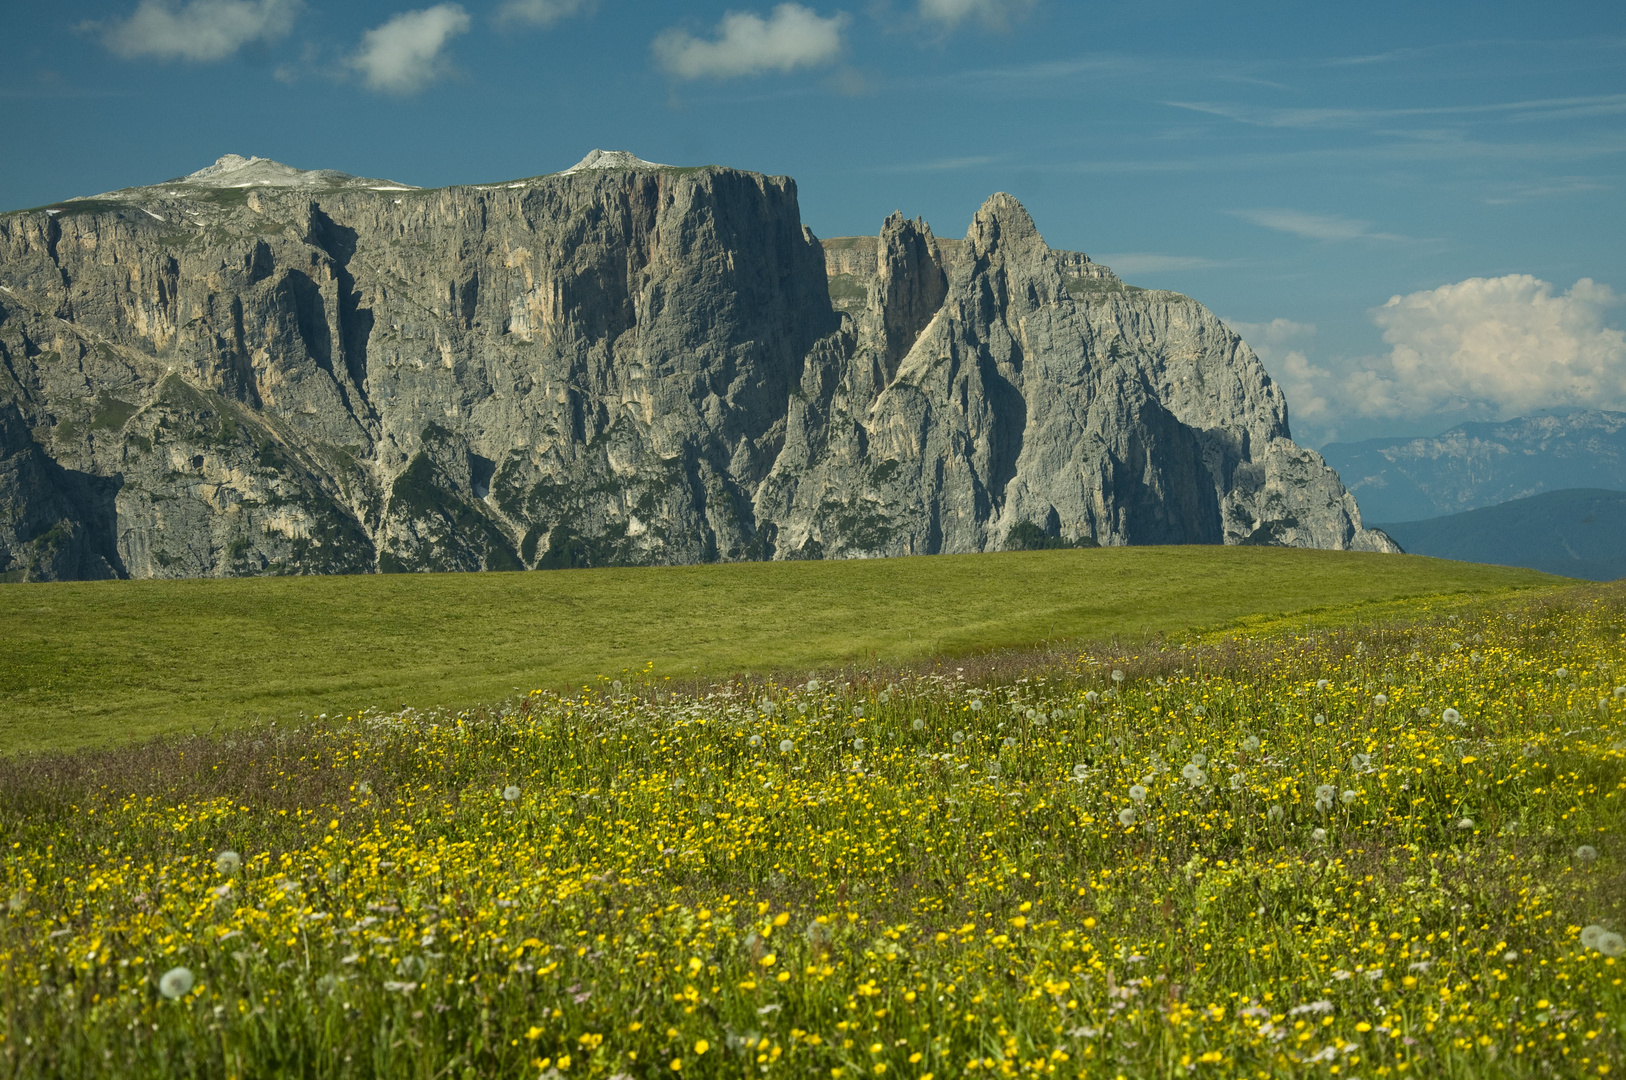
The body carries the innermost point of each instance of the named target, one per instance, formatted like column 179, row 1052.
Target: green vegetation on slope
column 1577, row 532
column 95, row 663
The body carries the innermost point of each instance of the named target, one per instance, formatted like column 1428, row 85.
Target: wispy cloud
column 202, row 30
column 1314, row 226
column 1340, row 116
column 747, row 44
column 407, row 53
column 993, row 13
column 542, row 12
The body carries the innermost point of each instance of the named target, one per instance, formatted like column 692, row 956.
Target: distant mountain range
column 1482, row 464
column 1576, row 532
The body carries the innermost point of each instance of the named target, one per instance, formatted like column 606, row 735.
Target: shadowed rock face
column 620, row 365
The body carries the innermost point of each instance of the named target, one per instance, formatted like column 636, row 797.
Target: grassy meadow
column 1385, row 849
column 90, row 664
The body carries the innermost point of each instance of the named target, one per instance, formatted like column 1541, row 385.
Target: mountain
column 1576, row 532
column 1483, row 464
column 257, row 369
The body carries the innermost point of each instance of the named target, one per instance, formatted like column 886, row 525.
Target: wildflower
column 1380, row 700
column 786, row 746
column 700, row 1047
column 755, row 740
column 1194, row 775
column 1117, row 675
column 1586, row 853
column 1323, row 797
column 1251, row 743
column 1137, row 793
column 176, row 983
column 1127, row 816
column 228, row 862
column 511, row 793
column 1509, row 957
column 1451, row 716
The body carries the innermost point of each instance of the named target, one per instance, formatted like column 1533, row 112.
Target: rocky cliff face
column 623, row 364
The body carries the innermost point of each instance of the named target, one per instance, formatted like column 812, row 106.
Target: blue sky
column 1294, row 166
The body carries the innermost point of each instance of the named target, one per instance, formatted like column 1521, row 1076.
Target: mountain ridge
column 616, row 365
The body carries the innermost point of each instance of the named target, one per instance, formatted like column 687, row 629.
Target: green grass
column 99, row 663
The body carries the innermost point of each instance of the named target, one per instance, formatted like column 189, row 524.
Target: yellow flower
column 701, row 1046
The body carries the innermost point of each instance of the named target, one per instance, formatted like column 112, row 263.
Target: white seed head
column 1276, row 813
column 1237, row 781
column 958, row 737
column 976, row 705
column 919, row 723
column 176, row 983
column 511, row 793
column 1318, row 835
column 1092, row 697
column 1465, row 823
column 1451, row 716
column 1586, row 853
column 1117, row 675
column 1251, row 743
column 1590, row 935
column 786, row 746
column 858, row 712
column 1137, row 793
column 858, row 743
column 1320, row 718
column 1562, row 673
column 1611, row 944
column 1380, row 700
column 1349, row 796
column 228, row 862
column 1009, row 742
column 1199, row 760
column 1321, row 684
column 1127, row 816
column 365, row 788
column 1325, row 791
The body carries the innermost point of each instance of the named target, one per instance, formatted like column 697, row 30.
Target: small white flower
column 1127, row 816
column 1586, row 853
column 1380, row 700
column 786, row 746
column 176, row 983
column 919, row 723
column 1137, row 793
column 1251, row 743
column 228, row 862
column 1509, row 957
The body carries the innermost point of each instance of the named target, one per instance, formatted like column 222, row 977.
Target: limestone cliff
column 261, row 370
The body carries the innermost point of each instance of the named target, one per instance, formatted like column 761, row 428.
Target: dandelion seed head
column 1586, row 853
column 918, row 723
column 1509, row 957
column 511, row 793
column 1591, row 934
column 615, row 684
column 1276, row 813
column 1380, row 700
column 1318, row 835
column 801, row 709
column 858, row 712
column 228, row 862
column 176, row 983
column 1127, row 816
column 1320, row 718
column 1465, row 823
column 1251, row 743
column 1349, row 796
column 1325, row 791
column 1117, row 675
column 365, row 788
column 958, row 737
column 1237, row 781
column 1611, row 944
column 786, row 746
column 858, row 743
column 1009, row 742
column 1137, row 793
column 1321, row 684
column 1451, row 716
column 1199, row 760
column 976, row 705
column 1562, row 673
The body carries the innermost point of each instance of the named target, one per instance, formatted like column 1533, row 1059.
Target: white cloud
column 405, row 54
column 542, row 12
column 1314, row 226
column 991, row 12
column 1484, row 348
column 1497, row 346
column 202, row 30
column 747, row 44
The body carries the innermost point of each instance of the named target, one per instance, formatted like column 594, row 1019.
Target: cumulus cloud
column 1498, row 346
column 747, row 44
column 991, row 12
column 407, row 53
column 541, row 12
column 1484, row 348
column 201, row 30
column 1314, row 226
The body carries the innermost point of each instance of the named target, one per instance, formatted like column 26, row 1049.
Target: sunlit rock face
column 257, row 369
